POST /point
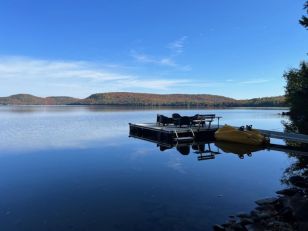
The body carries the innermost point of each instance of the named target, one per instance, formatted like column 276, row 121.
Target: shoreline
column 287, row 211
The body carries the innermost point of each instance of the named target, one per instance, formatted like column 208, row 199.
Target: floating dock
column 172, row 133
column 301, row 138
column 170, row 136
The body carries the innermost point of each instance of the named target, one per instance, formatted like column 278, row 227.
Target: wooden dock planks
column 285, row 136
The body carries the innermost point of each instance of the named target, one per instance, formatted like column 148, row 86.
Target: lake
column 75, row 168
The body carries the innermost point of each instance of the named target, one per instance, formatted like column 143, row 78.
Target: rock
column 303, row 226
column 264, row 215
column 267, row 207
column 298, row 181
column 279, row 225
column 237, row 227
column 254, row 214
column 266, row 201
column 255, row 227
column 243, row 215
column 287, row 214
column 301, row 210
column 218, row 228
column 288, row 191
column 246, row 221
column 282, row 203
column 227, row 224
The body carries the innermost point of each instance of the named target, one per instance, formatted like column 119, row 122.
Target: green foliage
column 304, row 20
column 296, row 92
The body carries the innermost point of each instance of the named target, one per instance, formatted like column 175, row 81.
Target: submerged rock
column 266, row 201
column 246, row 221
column 255, row 227
column 243, row 215
column 288, row 191
column 218, row 228
column 287, row 212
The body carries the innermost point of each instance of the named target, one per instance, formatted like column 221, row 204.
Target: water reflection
column 77, row 108
column 239, row 149
column 207, row 151
column 81, row 172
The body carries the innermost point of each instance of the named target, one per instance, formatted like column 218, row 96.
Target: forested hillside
column 145, row 99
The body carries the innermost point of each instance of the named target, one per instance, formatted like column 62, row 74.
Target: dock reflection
column 208, row 149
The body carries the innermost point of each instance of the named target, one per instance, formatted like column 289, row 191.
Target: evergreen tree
column 296, row 92
column 304, row 20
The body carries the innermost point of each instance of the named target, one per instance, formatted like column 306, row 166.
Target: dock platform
column 301, row 138
column 172, row 133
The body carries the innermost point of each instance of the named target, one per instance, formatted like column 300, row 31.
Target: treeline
column 26, row 99
column 277, row 101
column 145, row 99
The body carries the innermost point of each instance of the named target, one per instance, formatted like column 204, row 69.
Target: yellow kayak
column 231, row 134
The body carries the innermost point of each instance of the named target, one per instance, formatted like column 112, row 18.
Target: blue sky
column 238, row 49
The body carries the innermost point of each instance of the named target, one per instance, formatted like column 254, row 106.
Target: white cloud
column 16, row 67
column 176, row 48
column 254, row 81
column 178, row 45
column 44, row 77
column 144, row 58
column 75, row 78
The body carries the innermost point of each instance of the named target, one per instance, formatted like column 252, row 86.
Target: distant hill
column 26, row 99
column 276, row 101
column 145, row 99
column 125, row 98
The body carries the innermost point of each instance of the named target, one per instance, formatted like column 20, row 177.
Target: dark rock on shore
column 267, row 201
column 218, row 228
column 298, row 181
column 288, row 191
column 288, row 211
column 285, row 113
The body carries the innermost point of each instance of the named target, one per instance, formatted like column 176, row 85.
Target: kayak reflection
column 208, row 151
column 239, row 149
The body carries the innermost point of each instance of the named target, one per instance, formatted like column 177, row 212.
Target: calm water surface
column 75, row 168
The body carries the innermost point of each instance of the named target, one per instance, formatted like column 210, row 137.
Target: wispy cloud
column 76, row 78
column 144, row 58
column 254, row 81
column 178, row 45
column 45, row 77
